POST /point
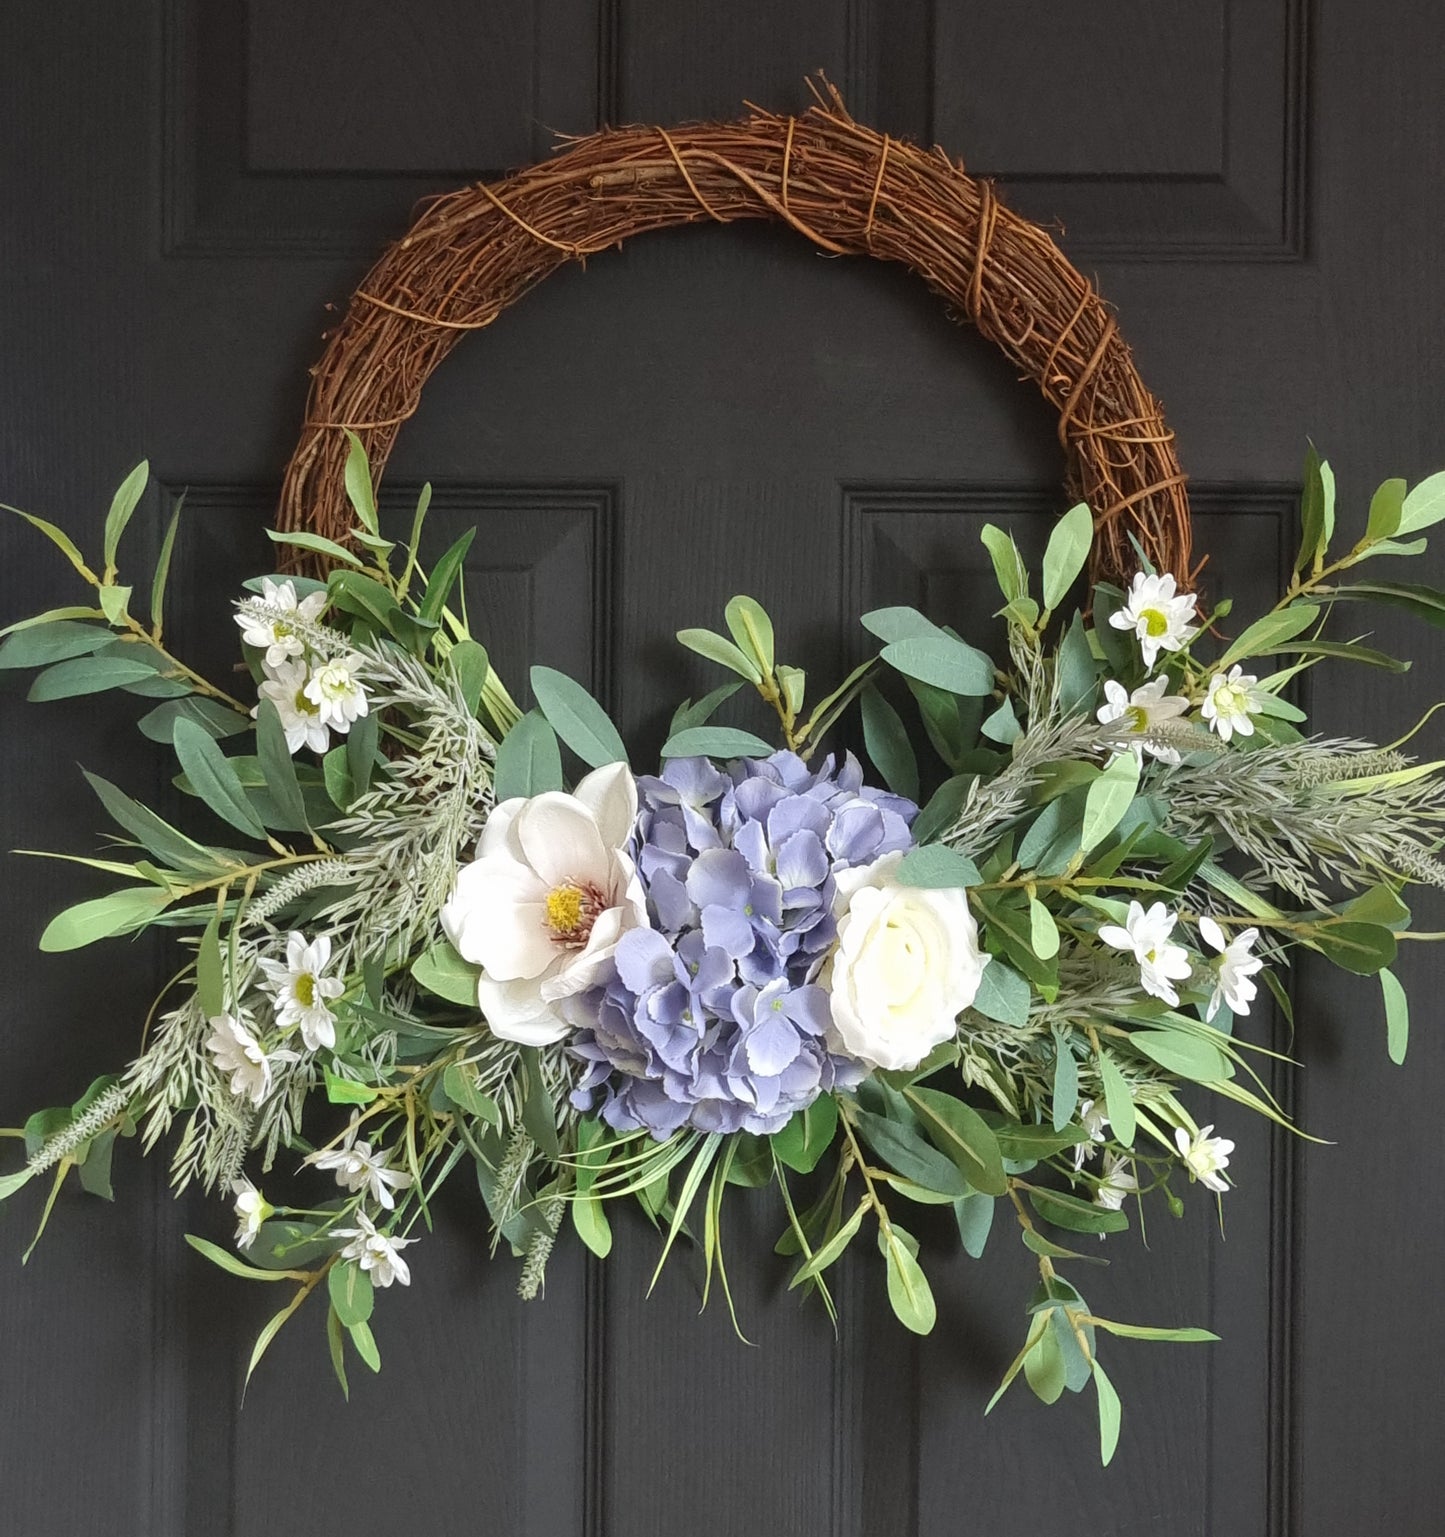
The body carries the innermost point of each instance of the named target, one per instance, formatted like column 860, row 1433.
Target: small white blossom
column 238, row 1052
column 1204, row 1156
column 252, row 1209
column 301, row 991
column 1158, row 616
column 261, row 627
column 358, row 1168
column 1096, row 1123
column 1229, row 701
column 1234, row 968
column 1145, row 934
column 1142, row 710
column 375, row 1252
column 1116, row 1182
column 300, row 716
column 335, row 689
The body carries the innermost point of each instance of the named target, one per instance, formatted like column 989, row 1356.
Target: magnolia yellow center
column 305, row 989
column 564, row 909
column 1156, row 623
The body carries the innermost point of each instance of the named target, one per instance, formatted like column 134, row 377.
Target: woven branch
column 841, row 185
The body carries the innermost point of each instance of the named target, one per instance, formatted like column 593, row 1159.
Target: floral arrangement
column 1000, row 974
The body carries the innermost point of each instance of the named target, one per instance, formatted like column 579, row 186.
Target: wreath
column 993, row 968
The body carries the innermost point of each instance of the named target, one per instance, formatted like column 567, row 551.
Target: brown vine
column 843, row 186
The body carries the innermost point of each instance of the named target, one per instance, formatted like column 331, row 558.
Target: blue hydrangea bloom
column 714, row 1018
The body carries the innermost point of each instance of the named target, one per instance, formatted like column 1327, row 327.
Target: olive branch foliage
column 1051, row 821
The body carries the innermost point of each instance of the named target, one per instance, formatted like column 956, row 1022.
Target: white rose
column 906, row 963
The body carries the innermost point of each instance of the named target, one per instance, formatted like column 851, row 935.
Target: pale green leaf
column 716, row 649
column 1397, row 1015
column 123, row 504
column 1108, row 798
column 1067, row 551
column 102, row 917
column 577, row 718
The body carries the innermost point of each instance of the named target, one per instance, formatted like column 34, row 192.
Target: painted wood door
column 187, row 187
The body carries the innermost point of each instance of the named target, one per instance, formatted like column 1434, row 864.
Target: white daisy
column 335, row 689
column 301, row 991
column 1116, row 1182
column 1233, row 969
column 265, row 625
column 1145, row 934
column 376, row 1253
column 237, row 1052
column 1204, row 1156
column 358, row 1168
column 1141, row 711
column 1229, row 701
column 300, row 715
column 1096, row 1123
column 252, row 1209
column 1158, row 616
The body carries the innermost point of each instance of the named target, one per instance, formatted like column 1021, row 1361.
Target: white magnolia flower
column 907, row 962
column 252, row 1209
column 302, row 992
column 1204, row 1156
column 1096, row 1123
column 1234, row 968
column 358, row 1168
column 335, row 689
column 271, row 633
column 285, row 687
column 1142, row 710
column 542, row 906
column 1230, row 700
column 1146, row 936
column 375, row 1252
column 238, row 1052
column 1157, row 615
column 1116, row 1182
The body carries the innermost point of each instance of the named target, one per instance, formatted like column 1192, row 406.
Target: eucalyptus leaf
column 1264, row 635
column 529, row 760
column 1008, row 565
column 715, row 742
column 909, row 1293
column 88, row 675
column 442, row 971
column 57, row 640
column 1003, row 995
column 937, row 866
column 577, row 718
column 102, row 917
column 944, row 662
column 1186, row 1055
column 1108, row 798
column 886, row 739
column 1118, row 1102
column 958, row 1130
column 214, row 779
column 716, row 649
column 123, row 505
column 277, row 766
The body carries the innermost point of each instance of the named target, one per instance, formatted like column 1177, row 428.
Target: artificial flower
column 357, row 1168
column 1096, row 1123
column 1145, row 934
column 376, row 1253
column 546, row 900
column 302, row 992
column 285, row 687
column 1116, row 1182
column 1229, row 701
column 252, row 1209
column 237, row 1052
column 1204, row 1156
column 1158, row 616
column 335, row 689
column 908, row 963
column 264, row 625
column 1142, row 711
column 1234, row 968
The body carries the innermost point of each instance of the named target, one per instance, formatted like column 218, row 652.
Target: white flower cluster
column 313, row 695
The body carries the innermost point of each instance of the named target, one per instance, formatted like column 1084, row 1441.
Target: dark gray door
column 187, row 184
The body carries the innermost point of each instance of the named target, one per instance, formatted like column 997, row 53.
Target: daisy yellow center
column 1230, row 699
column 305, row 989
column 1137, row 716
column 1156, row 622
column 303, row 705
column 281, row 630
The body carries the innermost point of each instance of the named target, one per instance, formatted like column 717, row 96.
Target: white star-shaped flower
column 1158, row 616
column 237, row 1052
column 1116, row 1182
column 357, row 1168
column 1204, row 1156
column 1142, row 710
column 1096, row 1123
column 302, row 992
column 1145, row 934
column 300, row 715
column 252, row 1209
column 335, row 689
column 1234, row 968
column 376, row 1253
column 1229, row 701
column 264, row 623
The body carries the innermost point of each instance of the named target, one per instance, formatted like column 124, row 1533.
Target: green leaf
column 154, row 834
column 1387, row 507
column 443, row 578
column 712, row 646
column 336, row 775
column 1068, row 1211
column 1043, row 931
column 529, row 761
column 1068, row 549
column 808, row 1135
column 591, row 1224
column 229, row 1262
column 1424, row 505
column 959, row 1131
column 699, row 714
column 1397, row 1015
column 460, row 1084
column 886, row 739
column 163, row 567
column 470, row 665
column 974, row 1214
column 1003, row 725
column 210, row 971
column 1316, row 511
column 59, row 538
column 1044, row 1367
column 346, row 1091
column 1076, row 670
column 218, row 719
column 362, row 742
column 442, row 971
column 1003, row 995
column 1144, row 1332
column 88, row 675
column 123, row 504
column 335, row 1342
column 55, row 640
column 1380, row 904
column 352, row 1294
column 365, row 1343
column 794, row 683
column 908, row 1290
column 715, row 742
column 303, row 540
column 752, row 630
column 1262, row 637
column 1347, row 651
column 1108, row 798
column 1363, row 948
column 944, row 662
column 1008, row 565
column 905, row 1151
column 1110, row 1414
column 577, row 718
column 1427, row 603
column 539, row 1114
column 1186, row 1055
column 1065, row 1090
column 102, row 917
column 214, row 779
column 1118, row 1102
column 356, row 593
column 937, row 866
column 832, row 1249
column 358, row 488
column 277, row 766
